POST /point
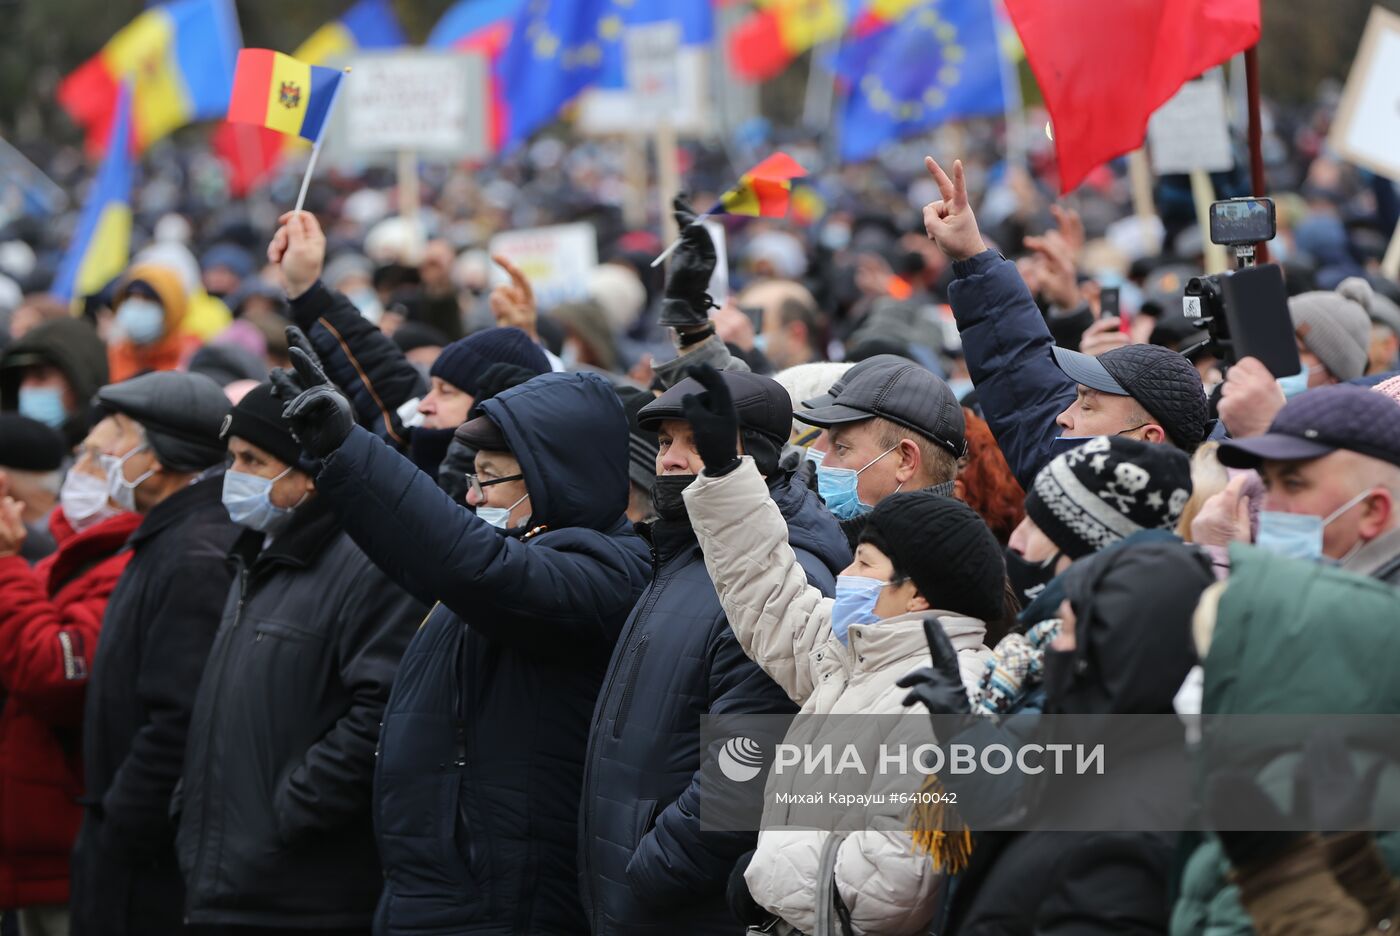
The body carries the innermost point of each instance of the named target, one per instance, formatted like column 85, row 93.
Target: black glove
column 452, row 471
column 741, row 903
column 714, row 420
column 498, row 378
column 685, row 302
column 939, row 686
column 320, row 415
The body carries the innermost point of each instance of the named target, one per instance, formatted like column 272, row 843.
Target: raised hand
column 513, row 305
column 1059, row 282
column 299, row 250
column 938, row 687
column 1249, row 399
column 686, row 302
column 714, row 420
column 12, row 528
column 320, row 415
column 949, row 221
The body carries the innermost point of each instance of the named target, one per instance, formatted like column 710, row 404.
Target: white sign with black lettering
column 426, row 102
column 1191, row 131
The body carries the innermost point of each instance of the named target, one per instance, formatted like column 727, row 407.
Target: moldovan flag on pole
column 276, row 91
column 764, row 190
column 102, row 241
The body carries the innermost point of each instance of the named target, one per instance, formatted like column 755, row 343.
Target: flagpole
column 675, row 244
column 316, row 148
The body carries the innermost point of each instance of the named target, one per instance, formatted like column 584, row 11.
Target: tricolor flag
column 763, row 191
column 278, row 92
column 102, row 242
column 481, row 26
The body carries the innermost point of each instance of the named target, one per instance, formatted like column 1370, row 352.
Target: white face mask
column 84, row 500
column 499, row 517
column 122, row 491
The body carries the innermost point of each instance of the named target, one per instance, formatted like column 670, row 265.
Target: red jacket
column 49, row 619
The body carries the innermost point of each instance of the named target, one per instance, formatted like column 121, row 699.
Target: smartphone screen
column 1108, row 302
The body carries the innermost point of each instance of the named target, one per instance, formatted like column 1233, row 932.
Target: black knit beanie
column 945, row 548
column 258, row 419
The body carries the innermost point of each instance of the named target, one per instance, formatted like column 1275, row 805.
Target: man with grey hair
column 31, row 463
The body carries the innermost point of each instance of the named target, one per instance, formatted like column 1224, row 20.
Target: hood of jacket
column 1133, row 649
column 69, row 344
column 810, row 525
column 569, row 433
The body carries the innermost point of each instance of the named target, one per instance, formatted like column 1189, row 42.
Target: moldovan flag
column 278, row 92
column 763, row 191
column 1103, row 68
column 102, row 242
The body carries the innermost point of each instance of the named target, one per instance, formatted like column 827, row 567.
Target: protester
column 646, row 864
column 274, row 801
column 150, row 304
column 642, row 447
column 164, row 460
column 1334, row 332
column 1040, row 398
column 792, row 330
column 51, row 373
column 50, row 617
column 1331, row 469
column 482, row 750
column 31, row 475
column 920, row 555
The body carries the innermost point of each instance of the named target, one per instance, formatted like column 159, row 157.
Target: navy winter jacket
column 482, row 750
column 645, row 866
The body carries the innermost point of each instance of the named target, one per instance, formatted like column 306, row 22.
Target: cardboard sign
column 1367, row 128
column 434, row 103
column 556, row 260
column 1191, row 131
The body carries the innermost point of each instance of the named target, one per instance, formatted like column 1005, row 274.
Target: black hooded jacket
column 482, row 750
column 645, row 865
column 1133, row 649
column 71, row 345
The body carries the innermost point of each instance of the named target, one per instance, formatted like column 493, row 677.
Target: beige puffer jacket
column 784, row 625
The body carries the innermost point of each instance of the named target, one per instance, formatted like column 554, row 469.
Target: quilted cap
column 1162, row 381
column 1319, row 422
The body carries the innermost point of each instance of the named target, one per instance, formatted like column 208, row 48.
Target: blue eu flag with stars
column 940, row 61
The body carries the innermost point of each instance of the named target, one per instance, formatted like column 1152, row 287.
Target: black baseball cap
column 763, row 405
column 902, row 392
column 1161, row 380
column 1318, row 423
column 855, row 370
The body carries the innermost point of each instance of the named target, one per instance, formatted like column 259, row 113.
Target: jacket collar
column 894, row 640
column 207, row 489
column 1380, row 558
column 667, row 538
column 77, row 550
column 311, row 529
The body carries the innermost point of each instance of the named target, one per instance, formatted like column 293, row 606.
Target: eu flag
column 941, row 60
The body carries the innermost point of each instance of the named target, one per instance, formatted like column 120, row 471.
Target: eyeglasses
column 475, row 484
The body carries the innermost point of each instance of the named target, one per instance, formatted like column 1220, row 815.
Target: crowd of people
column 345, row 588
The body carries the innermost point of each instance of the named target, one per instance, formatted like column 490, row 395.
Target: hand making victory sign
column 949, row 221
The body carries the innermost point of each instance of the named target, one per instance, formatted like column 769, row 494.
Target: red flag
column 1103, row 68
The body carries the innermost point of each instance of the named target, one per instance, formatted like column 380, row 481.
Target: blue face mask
column 498, row 517
column 815, row 456
column 961, row 387
column 1292, row 386
column 44, row 404
column 140, row 320
column 855, row 604
column 837, row 487
column 248, row 500
column 1298, row 536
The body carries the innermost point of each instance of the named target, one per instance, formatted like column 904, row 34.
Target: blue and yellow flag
column 937, row 62
column 102, row 243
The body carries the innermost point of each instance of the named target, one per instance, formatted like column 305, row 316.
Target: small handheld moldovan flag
column 763, row 192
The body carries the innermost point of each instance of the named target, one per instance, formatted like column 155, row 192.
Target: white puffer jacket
column 784, row 625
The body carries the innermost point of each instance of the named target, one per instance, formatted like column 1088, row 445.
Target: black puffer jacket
column 156, row 633
column 481, row 754
column 275, row 798
column 644, row 865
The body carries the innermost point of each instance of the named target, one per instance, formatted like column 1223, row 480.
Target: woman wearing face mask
column 150, row 305
column 50, row 616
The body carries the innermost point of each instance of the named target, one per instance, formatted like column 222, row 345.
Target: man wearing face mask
column 893, row 427
column 164, row 459
column 645, row 863
column 921, row 557
column 151, row 306
column 52, row 372
column 477, row 784
column 50, row 617
column 274, row 801
column 1331, row 468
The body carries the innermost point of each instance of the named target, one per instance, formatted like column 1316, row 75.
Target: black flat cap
column 29, row 445
column 763, row 405
column 902, row 392
column 1318, row 423
column 183, row 415
column 829, row 397
column 1162, row 381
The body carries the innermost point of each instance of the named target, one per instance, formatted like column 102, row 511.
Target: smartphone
column 755, row 314
column 1256, row 309
column 1111, row 308
column 1238, row 221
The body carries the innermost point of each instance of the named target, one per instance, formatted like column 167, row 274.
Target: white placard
column 1190, row 131
column 434, row 103
column 556, row 260
column 1367, row 127
column 650, row 55
column 616, row 110
column 719, row 279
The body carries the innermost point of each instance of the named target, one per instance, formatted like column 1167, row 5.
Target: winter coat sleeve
column 332, row 783
column 359, row 359
column 675, row 862
column 177, row 638
column 778, row 617
column 1008, row 350
column 531, row 596
column 46, row 649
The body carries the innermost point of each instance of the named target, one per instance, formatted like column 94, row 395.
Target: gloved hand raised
column 685, row 302
column 939, row 686
column 320, row 415
column 714, row 420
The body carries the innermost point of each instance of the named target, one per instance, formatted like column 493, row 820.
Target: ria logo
column 741, row 759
